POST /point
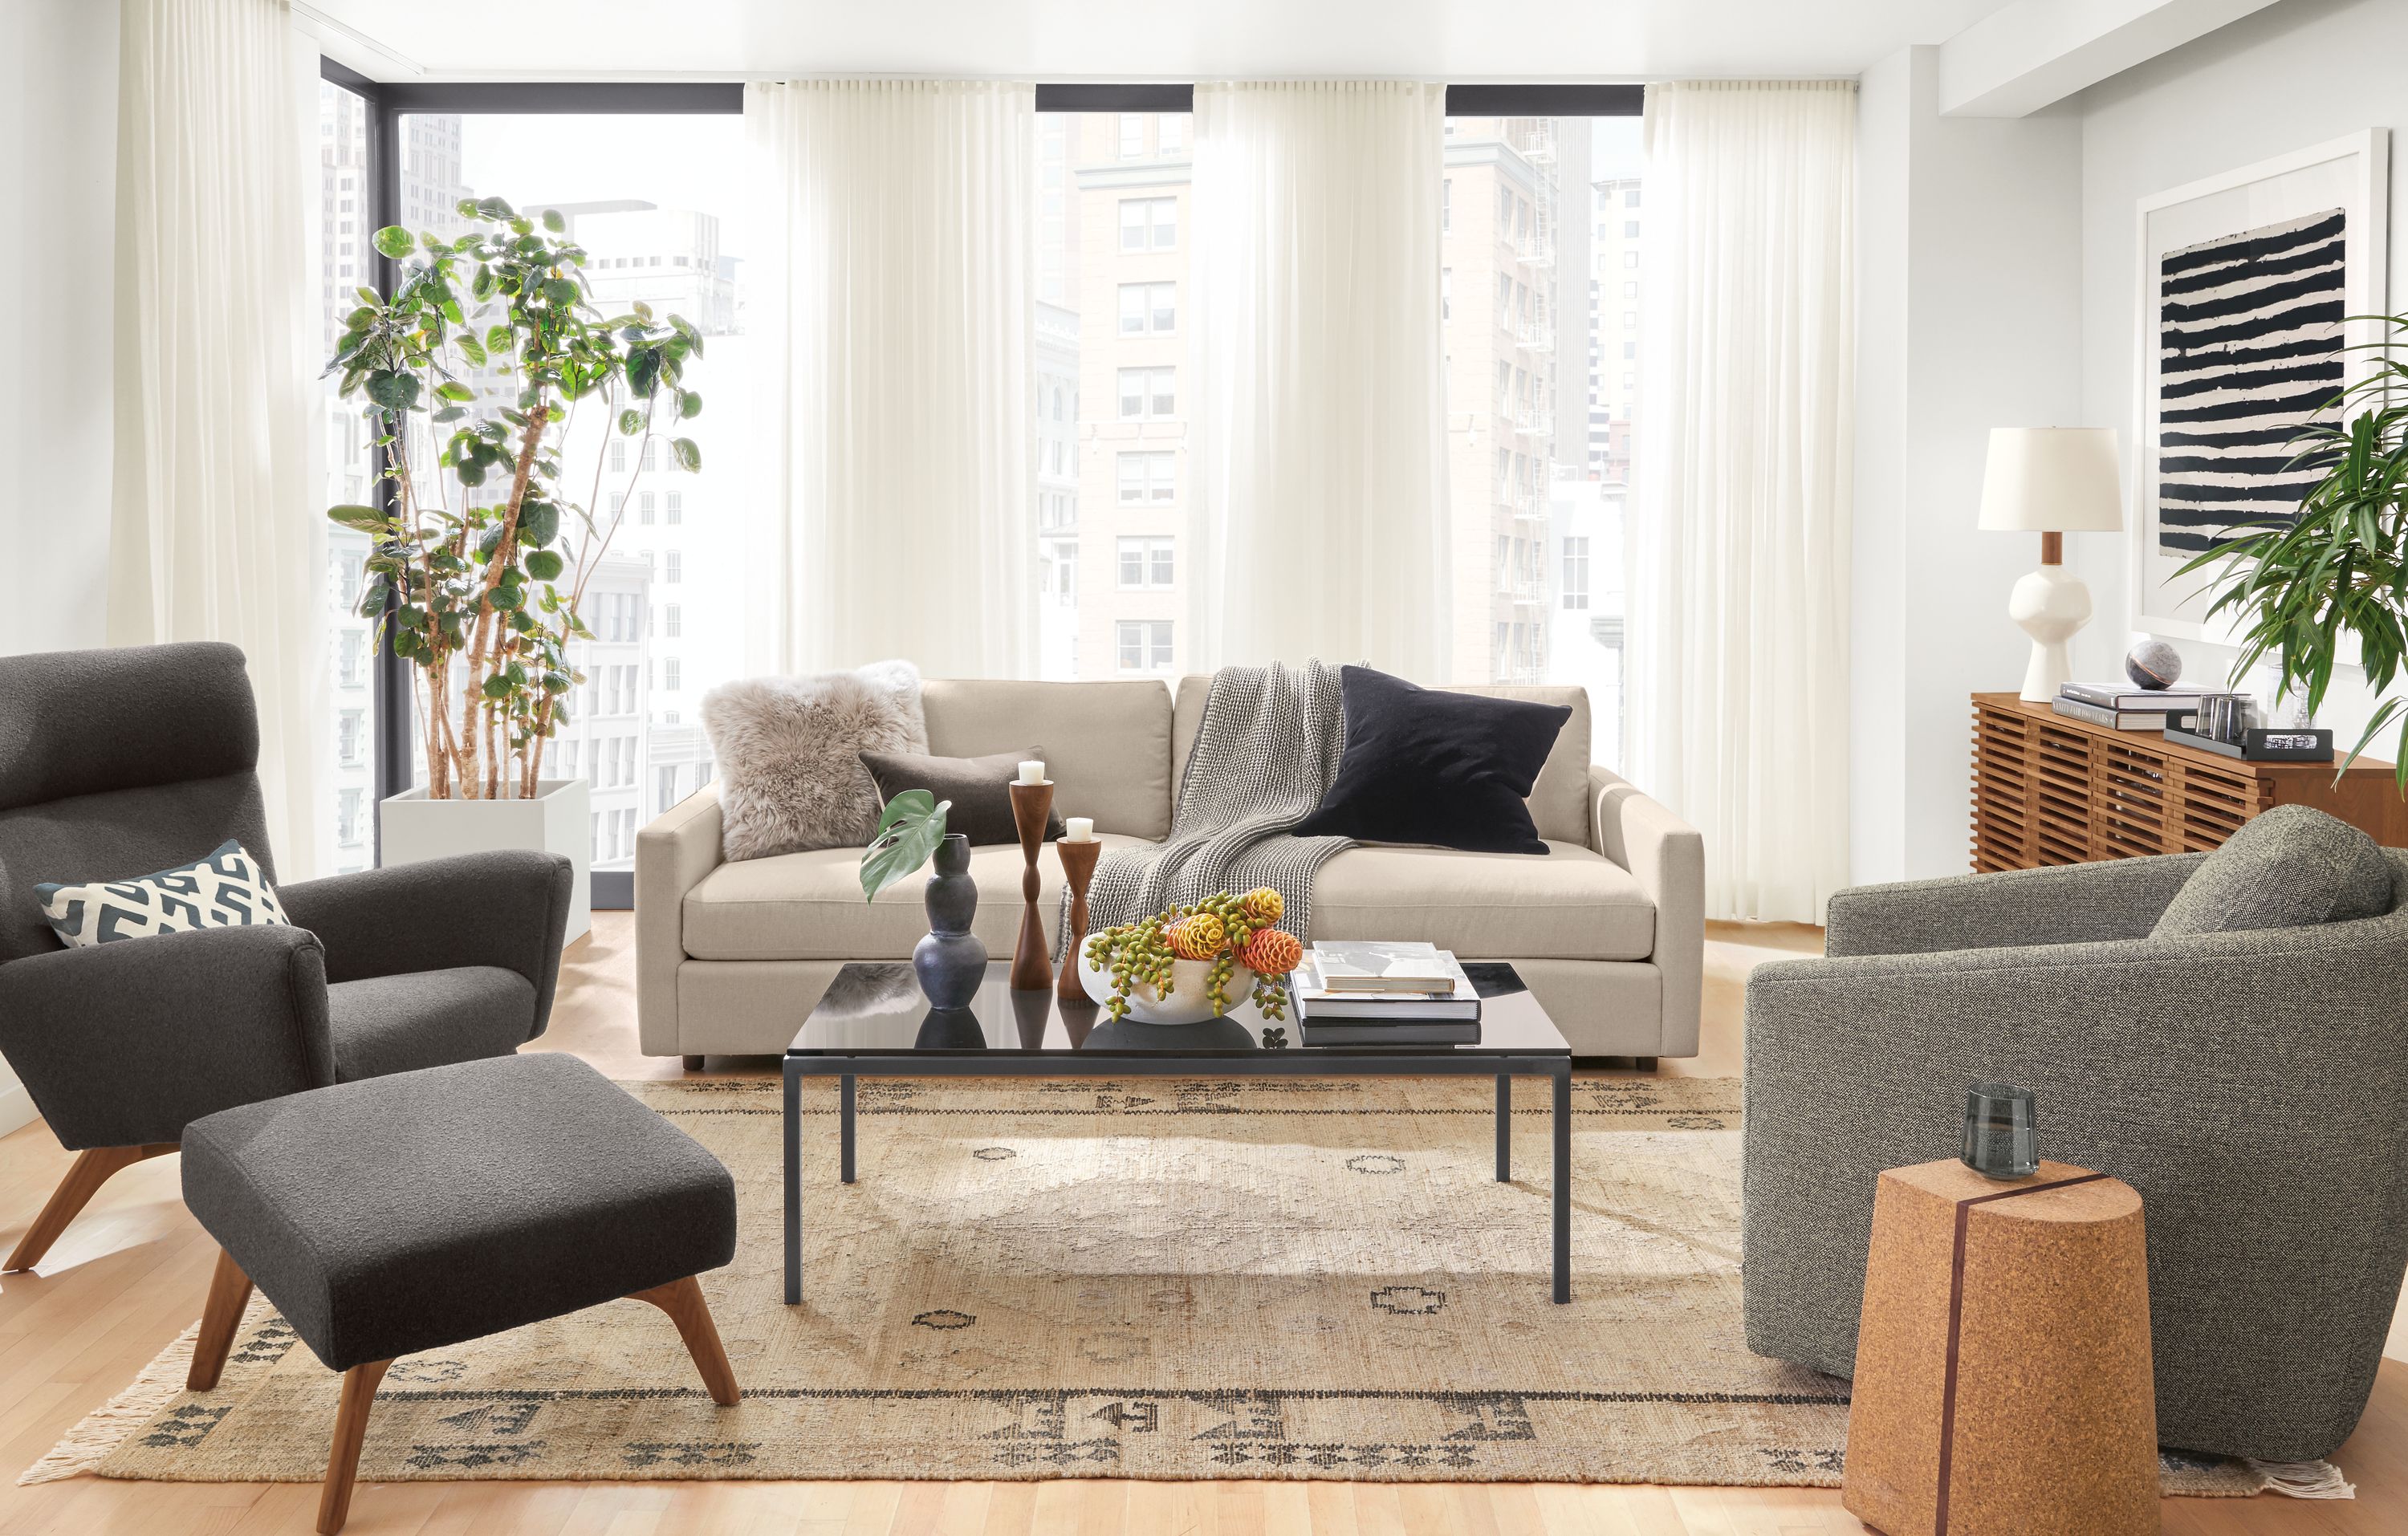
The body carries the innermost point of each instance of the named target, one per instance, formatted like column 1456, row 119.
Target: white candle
column 1081, row 829
column 1032, row 772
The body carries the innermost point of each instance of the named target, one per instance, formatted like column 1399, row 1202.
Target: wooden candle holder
column 1032, row 968
column 1079, row 868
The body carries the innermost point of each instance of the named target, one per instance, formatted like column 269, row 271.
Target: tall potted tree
column 473, row 376
column 2306, row 587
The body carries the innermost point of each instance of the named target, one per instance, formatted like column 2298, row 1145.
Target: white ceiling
column 1130, row 40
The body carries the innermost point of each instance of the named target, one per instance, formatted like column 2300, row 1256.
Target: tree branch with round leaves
column 468, row 376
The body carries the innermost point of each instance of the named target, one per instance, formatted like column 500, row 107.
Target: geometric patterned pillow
column 224, row 890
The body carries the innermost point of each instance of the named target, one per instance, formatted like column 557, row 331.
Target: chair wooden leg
column 343, row 1456
column 682, row 1300
column 229, row 1289
column 93, row 1167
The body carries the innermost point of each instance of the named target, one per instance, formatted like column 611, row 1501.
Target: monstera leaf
column 908, row 833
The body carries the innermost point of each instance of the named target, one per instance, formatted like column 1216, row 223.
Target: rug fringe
column 106, row 1428
column 2304, row 1479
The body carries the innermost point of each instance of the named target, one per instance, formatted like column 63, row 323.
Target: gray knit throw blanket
column 1267, row 749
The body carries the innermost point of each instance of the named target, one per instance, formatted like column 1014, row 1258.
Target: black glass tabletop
column 877, row 1009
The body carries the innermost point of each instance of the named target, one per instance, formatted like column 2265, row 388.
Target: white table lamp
column 2051, row 481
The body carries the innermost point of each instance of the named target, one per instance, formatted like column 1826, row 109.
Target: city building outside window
column 673, row 567
column 1149, row 309
column 1576, row 572
column 349, row 824
column 1171, row 132
column 1147, row 394
column 350, row 738
column 673, row 622
column 669, row 673
column 644, row 506
column 351, row 658
column 1146, row 562
column 1132, row 135
column 1148, row 223
column 677, row 507
column 1144, row 645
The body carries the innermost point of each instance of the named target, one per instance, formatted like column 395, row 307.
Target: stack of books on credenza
column 2119, row 705
column 1351, row 991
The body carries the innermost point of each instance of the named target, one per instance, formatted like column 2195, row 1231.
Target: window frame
column 384, row 103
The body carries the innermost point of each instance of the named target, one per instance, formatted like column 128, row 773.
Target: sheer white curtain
column 893, row 511
column 214, row 533
column 1739, row 597
column 1318, row 446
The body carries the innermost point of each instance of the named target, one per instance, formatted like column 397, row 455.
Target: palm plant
column 483, row 596
column 2339, row 566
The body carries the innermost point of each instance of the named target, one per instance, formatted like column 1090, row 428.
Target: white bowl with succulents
column 1191, row 963
column 1191, row 998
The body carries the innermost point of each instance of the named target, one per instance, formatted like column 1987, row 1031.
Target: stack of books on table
column 2119, row 705
column 1351, row 991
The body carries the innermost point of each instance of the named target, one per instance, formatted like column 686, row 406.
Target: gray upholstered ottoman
column 417, row 1210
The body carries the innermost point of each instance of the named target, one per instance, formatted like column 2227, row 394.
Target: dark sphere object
column 2153, row 664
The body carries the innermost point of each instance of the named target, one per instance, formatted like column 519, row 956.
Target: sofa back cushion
column 2292, row 867
column 1106, row 744
column 1559, row 802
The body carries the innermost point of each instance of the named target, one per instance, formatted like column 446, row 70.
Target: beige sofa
column 1608, row 929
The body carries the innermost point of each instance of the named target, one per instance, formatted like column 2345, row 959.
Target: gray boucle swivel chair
column 2228, row 1033
column 115, row 764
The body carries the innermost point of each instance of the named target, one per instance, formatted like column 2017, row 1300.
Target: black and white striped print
column 2249, row 349
column 224, row 890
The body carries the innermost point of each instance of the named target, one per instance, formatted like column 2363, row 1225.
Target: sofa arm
column 2067, row 904
column 1668, row 858
column 2247, row 1084
column 121, row 1044
column 507, row 909
column 672, row 854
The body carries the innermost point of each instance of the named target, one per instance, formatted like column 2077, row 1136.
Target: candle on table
column 1032, row 771
column 1078, row 829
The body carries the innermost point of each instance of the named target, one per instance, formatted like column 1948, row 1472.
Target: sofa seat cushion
column 1573, row 904
column 427, row 1018
column 808, row 907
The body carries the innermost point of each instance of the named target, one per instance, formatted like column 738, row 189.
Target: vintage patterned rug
column 1148, row 1278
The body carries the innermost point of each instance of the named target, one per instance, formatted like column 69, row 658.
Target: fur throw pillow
column 789, row 752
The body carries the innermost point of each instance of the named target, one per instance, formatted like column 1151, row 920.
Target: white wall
column 58, row 120
column 2290, row 76
column 1969, row 306
column 58, row 123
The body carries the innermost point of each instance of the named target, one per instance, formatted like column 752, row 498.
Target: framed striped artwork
column 2253, row 286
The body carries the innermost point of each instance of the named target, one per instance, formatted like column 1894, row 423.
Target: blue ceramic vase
column 949, row 961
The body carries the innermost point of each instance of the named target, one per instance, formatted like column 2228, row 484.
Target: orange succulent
column 1272, row 952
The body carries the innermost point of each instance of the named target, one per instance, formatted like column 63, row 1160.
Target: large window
column 1539, row 232
column 655, row 201
column 1113, row 190
column 345, row 216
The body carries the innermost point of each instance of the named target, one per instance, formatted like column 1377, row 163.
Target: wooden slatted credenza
column 2050, row 789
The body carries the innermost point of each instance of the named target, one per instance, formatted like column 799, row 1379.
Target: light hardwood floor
column 131, row 1273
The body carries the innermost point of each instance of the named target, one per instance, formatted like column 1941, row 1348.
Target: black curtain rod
column 677, row 96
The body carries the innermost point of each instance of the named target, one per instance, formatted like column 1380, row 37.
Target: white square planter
column 416, row 828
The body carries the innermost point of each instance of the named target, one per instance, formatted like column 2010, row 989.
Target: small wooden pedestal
column 1032, row 968
column 2002, row 1379
column 1078, row 870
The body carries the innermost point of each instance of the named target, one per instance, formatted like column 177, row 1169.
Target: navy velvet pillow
column 1425, row 766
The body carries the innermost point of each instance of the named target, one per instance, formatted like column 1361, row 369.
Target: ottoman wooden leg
column 229, row 1290
column 682, row 1300
column 343, row 1456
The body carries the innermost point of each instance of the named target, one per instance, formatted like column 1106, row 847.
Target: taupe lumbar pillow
column 980, row 789
column 789, row 752
column 2292, row 867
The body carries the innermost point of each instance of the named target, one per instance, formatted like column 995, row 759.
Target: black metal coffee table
column 874, row 1022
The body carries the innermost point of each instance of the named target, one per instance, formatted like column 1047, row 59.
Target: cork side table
column 2002, row 1362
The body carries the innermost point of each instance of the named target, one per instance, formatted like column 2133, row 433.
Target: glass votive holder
column 2000, row 1141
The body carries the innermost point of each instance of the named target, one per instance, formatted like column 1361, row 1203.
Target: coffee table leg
column 1504, row 1128
column 844, row 1130
column 1563, row 1192
column 794, row 1185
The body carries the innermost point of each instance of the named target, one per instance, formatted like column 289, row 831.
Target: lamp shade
column 2052, row 480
